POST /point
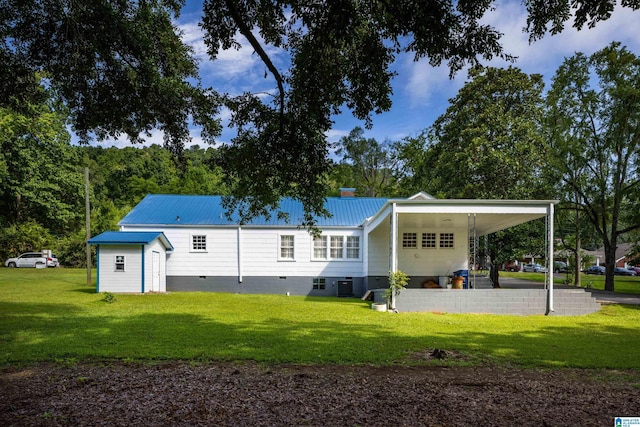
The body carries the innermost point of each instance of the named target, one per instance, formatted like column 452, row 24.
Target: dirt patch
column 227, row 394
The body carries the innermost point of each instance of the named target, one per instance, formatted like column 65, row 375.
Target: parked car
column 535, row 268
column 636, row 269
column 595, row 269
column 52, row 261
column 619, row 271
column 560, row 267
column 32, row 260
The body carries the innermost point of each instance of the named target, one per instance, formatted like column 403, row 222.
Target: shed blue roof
column 130, row 238
column 164, row 209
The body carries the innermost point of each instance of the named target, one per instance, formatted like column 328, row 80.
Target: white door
column 155, row 272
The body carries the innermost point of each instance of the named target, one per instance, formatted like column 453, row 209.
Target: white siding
column 129, row 280
column 433, row 262
column 260, row 248
column 417, row 261
column 155, row 246
column 379, row 251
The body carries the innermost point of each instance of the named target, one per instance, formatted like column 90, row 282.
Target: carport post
column 550, row 260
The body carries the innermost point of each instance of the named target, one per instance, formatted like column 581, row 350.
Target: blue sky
column 420, row 92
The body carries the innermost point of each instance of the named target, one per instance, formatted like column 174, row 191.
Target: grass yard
column 51, row 315
column 623, row 284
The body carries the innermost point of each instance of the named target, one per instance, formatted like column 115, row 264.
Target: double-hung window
column 198, row 243
column 320, row 247
column 337, row 244
column 287, row 248
column 353, row 247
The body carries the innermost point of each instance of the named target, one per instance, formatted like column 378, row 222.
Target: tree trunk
column 578, row 258
column 494, row 275
column 609, row 263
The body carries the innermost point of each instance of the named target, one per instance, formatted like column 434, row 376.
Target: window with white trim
column 119, row 263
column 319, row 283
column 429, row 240
column 198, row 243
column 409, row 240
column 353, row 247
column 446, row 241
column 320, row 247
column 287, row 248
column 337, row 246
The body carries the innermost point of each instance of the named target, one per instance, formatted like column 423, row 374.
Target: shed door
column 155, row 272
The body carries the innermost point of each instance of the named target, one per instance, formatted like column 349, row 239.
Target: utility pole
column 87, row 209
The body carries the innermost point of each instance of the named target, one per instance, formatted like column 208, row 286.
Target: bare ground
column 231, row 394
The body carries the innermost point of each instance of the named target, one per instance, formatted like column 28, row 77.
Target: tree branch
column 246, row 31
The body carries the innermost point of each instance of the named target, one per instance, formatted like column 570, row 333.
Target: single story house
column 201, row 249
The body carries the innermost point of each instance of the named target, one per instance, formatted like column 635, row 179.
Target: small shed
column 131, row 261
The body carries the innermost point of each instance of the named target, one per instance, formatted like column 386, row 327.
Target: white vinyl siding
column 127, row 280
column 260, row 247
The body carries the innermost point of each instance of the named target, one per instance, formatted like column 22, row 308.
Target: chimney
column 347, row 192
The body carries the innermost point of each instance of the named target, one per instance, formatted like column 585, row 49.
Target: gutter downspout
column 239, row 236
column 550, row 263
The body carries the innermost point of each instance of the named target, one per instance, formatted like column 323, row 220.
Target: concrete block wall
column 567, row 302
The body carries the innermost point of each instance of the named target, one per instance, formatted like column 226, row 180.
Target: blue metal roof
column 130, row 238
column 164, row 209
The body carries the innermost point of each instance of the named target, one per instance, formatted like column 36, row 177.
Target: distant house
column 623, row 257
column 194, row 246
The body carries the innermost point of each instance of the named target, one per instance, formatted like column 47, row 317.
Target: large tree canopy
column 488, row 144
column 593, row 119
column 121, row 67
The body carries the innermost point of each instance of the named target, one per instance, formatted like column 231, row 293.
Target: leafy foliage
column 594, row 125
column 121, row 67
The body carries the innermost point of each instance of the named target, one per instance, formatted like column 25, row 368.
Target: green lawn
column 623, row 284
column 51, row 315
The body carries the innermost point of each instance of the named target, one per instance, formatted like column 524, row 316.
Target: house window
column 429, row 240
column 119, row 263
column 446, row 240
column 287, row 247
column 319, row 283
column 409, row 240
column 198, row 243
column 320, row 247
column 336, row 249
column 353, row 247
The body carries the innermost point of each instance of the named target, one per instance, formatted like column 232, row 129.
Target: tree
column 373, row 163
column 593, row 120
column 39, row 176
column 488, row 144
column 121, row 67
